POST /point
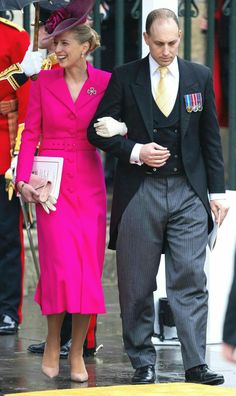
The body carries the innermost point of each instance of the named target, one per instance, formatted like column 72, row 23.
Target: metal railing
column 188, row 9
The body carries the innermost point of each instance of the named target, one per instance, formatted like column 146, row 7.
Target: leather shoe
column 39, row 348
column 203, row 375
column 8, row 325
column 144, row 375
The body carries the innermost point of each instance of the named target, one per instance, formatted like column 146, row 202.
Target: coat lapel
column 92, row 87
column 59, row 89
column 143, row 95
column 187, row 85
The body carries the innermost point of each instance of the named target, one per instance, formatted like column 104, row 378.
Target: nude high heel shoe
column 76, row 376
column 50, row 372
column 79, row 377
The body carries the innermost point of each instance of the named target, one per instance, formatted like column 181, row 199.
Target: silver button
column 176, row 156
column 154, row 169
column 176, row 130
column 155, row 130
column 175, row 169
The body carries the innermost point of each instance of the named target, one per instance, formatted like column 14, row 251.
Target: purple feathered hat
column 65, row 18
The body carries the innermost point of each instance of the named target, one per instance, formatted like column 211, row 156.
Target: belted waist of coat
column 7, row 106
column 67, row 144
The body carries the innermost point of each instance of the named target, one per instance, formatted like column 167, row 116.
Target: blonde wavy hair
column 84, row 33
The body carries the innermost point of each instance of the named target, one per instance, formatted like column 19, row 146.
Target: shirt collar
column 173, row 67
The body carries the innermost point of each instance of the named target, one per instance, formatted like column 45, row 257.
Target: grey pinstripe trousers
column 163, row 211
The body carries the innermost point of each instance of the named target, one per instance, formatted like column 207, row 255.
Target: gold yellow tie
column 163, row 95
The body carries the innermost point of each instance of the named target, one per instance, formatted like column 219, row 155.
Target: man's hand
column 229, row 352
column 108, row 127
column 32, row 62
column 220, row 209
column 154, row 155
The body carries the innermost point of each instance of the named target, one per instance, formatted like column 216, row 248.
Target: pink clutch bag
column 42, row 186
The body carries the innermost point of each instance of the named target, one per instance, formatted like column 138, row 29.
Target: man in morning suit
column 167, row 163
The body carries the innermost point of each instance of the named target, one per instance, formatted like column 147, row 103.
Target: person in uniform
column 17, row 74
column 12, row 114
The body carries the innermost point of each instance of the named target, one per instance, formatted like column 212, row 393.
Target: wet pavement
column 20, row 371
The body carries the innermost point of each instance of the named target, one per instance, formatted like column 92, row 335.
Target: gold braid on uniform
column 49, row 62
column 14, row 75
column 12, row 24
column 9, row 174
column 18, row 138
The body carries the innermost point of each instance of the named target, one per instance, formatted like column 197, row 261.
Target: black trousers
column 10, row 254
column 66, row 328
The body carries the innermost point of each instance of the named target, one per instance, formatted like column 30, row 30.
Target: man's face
column 42, row 35
column 163, row 41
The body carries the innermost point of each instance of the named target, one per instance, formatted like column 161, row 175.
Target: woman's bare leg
column 80, row 324
column 51, row 356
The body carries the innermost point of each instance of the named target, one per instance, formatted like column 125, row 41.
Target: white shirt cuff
column 217, row 196
column 134, row 156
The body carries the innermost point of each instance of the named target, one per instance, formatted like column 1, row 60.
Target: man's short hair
column 161, row 14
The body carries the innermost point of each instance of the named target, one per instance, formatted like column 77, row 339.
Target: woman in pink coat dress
column 71, row 240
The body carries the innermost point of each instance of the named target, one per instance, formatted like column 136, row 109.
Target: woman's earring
column 82, row 54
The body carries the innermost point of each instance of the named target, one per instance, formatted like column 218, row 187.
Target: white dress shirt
column 173, row 81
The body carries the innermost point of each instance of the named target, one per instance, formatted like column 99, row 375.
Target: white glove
column 49, row 204
column 108, row 127
column 32, row 62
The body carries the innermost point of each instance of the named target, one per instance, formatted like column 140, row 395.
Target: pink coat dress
column 71, row 241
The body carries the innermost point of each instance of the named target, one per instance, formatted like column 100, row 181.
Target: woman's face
column 68, row 50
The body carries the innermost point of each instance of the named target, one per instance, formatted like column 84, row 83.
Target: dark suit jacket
column 129, row 98
column 229, row 331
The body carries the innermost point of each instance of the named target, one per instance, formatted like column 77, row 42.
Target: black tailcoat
column 129, row 98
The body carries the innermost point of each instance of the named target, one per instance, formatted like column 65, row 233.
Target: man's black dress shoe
column 39, row 348
column 8, row 325
column 144, row 375
column 203, row 375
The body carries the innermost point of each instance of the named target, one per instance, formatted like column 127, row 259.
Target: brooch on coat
column 91, row 91
column 193, row 102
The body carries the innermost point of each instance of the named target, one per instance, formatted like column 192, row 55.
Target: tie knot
column 163, row 71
